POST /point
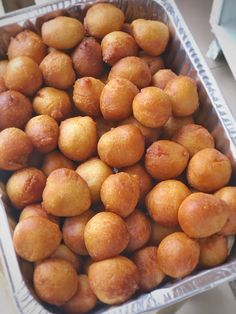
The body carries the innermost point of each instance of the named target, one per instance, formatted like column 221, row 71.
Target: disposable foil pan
column 183, row 57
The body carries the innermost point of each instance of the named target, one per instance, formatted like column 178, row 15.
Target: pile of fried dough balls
column 115, row 184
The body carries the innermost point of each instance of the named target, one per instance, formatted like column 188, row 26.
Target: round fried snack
column 114, row 280
column 152, row 107
column 15, row 148
column 103, row 18
column 63, row 252
column 105, row 236
column 162, row 77
column 150, row 273
column 158, row 233
column 55, row 281
column 3, row 69
column 78, row 138
column 23, row 75
column 201, row 215
column 66, row 193
column 25, row 187
column 73, row 232
column 124, row 138
column 54, row 34
column 36, row 238
column 209, row 170
column 184, row 96
column 164, row 200
column 29, row 44
column 154, row 63
column 38, row 211
column 55, row 160
column 118, row 45
column 103, row 126
column 133, row 69
column 94, row 171
column 116, row 99
column 84, row 299
column 166, row 160
column 174, row 124
column 120, row 193
column 15, row 110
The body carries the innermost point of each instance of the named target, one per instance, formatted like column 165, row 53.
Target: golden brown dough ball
column 84, row 299
column 86, row 95
column 154, row 63
column 213, row 251
column 158, row 232
column 152, row 107
column 55, row 160
column 103, row 126
column 105, row 236
column 78, row 138
column 63, row 252
column 87, row 58
column 150, row 273
column 174, row 124
column 73, row 232
column 15, row 109
column 116, row 99
column 114, row 280
column 209, row 170
column 62, row 32
column 36, row 238
column 15, row 148
column 37, row 210
column 139, row 228
column 201, row 215
column 184, row 96
column 27, row 44
column 94, row 171
column 53, row 102
column 133, row 69
column 124, row 138
column 23, row 75
column 120, row 193
column 57, row 70
column 103, row 18
column 66, row 193
column 166, row 160
column 164, row 200
column 55, row 281
column 162, row 77
column 118, row 45
column 43, row 132
column 151, row 36
column 3, row 69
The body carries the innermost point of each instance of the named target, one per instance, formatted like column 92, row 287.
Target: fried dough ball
column 53, row 102
column 66, row 193
column 124, row 138
column 213, row 251
column 103, row 18
column 150, row 273
column 209, row 170
column 84, row 299
column 120, row 193
column 55, row 160
column 174, row 124
column 73, row 232
column 23, row 75
column 228, row 195
column 87, row 58
column 158, row 232
column 36, row 238
column 103, row 126
column 57, row 70
column 166, row 160
column 133, row 69
column 43, row 132
column 105, row 236
column 15, row 148
column 78, row 138
column 94, row 171
column 3, row 68
column 15, row 109
column 55, row 281
column 154, row 63
column 182, row 91
column 164, row 200
column 27, row 44
column 63, row 252
column 62, row 32
column 139, row 228
column 201, row 215
column 114, row 280
column 116, row 99
column 38, row 211
column 162, row 77
column 118, row 45
column 152, row 107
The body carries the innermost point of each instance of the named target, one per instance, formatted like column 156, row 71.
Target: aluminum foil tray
column 183, row 57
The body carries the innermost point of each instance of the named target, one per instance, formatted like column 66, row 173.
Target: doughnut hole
column 162, row 77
